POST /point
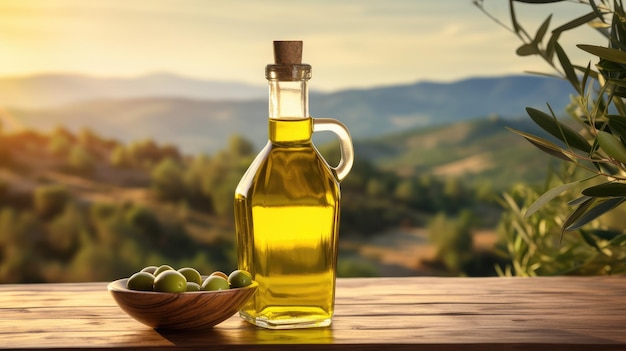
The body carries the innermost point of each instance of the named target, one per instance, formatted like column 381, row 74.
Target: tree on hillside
column 240, row 147
column 50, row 200
column 59, row 145
column 120, row 157
column 167, row 180
column 225, row 171
column 20, row 236
column 146, row 153
column 81, row 160
column 5, row 151
column 453, row 240
column 88, row 138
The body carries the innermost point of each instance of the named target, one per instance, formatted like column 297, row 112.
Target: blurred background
column 126, row 125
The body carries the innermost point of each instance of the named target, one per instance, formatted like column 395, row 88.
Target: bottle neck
column 289, row 120
column 288, row 100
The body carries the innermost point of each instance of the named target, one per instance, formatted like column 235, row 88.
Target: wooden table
column 420, row 313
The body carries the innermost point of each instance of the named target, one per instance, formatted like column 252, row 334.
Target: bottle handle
column 345, row 143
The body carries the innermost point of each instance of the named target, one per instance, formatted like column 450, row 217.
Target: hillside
column 479, row 151
column 192, row 125
column 81, row 200
column 203, row 123
column 398, row 183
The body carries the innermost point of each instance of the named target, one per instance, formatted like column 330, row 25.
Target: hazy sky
column 349, row 43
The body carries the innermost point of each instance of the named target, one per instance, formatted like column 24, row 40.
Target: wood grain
column 420, row 313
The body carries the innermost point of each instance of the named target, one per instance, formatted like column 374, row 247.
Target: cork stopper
column 288, row 64
column 288, row 52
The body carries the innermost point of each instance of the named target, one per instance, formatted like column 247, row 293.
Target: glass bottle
column 287, row 206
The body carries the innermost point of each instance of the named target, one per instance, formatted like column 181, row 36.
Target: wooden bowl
column 187, row 310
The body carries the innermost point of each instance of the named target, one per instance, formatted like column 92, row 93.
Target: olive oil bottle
column 287, row 206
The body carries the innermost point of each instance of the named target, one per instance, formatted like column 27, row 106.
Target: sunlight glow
column 349, row 43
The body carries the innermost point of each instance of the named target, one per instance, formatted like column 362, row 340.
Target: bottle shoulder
column 300, row 171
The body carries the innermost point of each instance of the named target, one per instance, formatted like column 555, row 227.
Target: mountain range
column 42, row 91
column 200, row 115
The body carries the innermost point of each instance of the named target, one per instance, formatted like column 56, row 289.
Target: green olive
column 215, row 283
column 170, row 281
column 149, row 269
column 220, row 274
column 141, row 281
column 191, row 275
column 239, row 278
column 191, row 286
column 612, row 146
column 162, row 268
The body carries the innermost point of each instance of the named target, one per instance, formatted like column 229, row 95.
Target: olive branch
column 597, row 142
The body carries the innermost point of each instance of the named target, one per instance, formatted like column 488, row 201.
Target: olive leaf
column 547, row 197
column 578, row 200
column 567, row 67
column 587, row 71
column 527, row 50
column 556, row 33
column 619, row 240
column 590, row 240
column 610, row 189
column 608, row 54
column 541, row 32
column 559, row 130
column 618, row 30
column 577, row 22
column 596, row 10
column 589, row 214
column 605, row 234
column 617, row 123
column 516, row 26
column 543, row 145
column 576, row 214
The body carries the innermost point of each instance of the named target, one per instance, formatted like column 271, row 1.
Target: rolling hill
column 473, row 150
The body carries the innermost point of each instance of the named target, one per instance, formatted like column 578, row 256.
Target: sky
column 349, row 43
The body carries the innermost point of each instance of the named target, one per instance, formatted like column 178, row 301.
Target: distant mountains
column 54, row 90
column 199, row 115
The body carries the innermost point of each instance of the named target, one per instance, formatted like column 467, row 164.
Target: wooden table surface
column 418, row 313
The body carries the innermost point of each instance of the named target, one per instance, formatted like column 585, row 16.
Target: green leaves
column 567, row 67
column 596, row 201
column 532, row 48
column 598, row 147
column 547, row 197
column 617, row 124
column 610, row 189
column 544, row 145
column 586, row 213
column 556, row 34
column 608, row 54
column 612, row 146
column 559, row 130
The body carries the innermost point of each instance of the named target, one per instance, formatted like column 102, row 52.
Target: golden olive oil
column 287, row 214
